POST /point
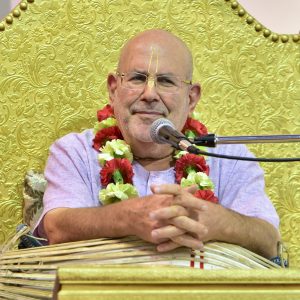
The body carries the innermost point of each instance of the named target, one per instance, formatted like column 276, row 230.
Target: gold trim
column 16, row 13
column 23, row 6
column 119, row 282
column 296, row 37
column 267, row 33
column 9, row 19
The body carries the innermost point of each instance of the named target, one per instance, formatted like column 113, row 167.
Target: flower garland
column 115, row 158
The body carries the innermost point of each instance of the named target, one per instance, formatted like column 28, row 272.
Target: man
column 164, row 213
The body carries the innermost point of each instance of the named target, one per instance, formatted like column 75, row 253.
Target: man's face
column 136, row 110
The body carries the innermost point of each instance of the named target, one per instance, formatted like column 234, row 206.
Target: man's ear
column 112, row 87
column 194, row 96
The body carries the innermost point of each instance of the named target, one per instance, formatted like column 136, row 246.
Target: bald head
column 158, row 44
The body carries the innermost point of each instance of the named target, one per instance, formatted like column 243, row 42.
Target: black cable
column 27, row 240
column 194, row 150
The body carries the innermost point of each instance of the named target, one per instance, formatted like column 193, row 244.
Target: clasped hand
column 172, row 217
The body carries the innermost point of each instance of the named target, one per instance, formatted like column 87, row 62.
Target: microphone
column 162, row 131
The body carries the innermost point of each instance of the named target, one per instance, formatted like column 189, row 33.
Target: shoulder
column 74, row 141
column 237, row 150
column 75, row 146
column 223, row 169
column 234, row 150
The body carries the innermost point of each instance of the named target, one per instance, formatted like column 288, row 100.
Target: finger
column 173, row 189
column 187, row 200
column 190, row 226
column 167, row 246
column 168, row 212
column 158, row 241
column 188, row 241
column 183, row 198
column 191, row 189
column 166, row 232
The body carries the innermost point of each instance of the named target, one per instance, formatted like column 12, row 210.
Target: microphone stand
column 211, row 140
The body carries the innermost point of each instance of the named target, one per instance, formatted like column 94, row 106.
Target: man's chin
column 139, row 127
column 141, row 133
column 143, row 138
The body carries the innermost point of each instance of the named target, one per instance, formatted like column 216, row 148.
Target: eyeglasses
column 163, row 83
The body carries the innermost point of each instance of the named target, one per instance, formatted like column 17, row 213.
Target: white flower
column 200, row 179
column 109, row 122
column 115, row 192
column 114, row 149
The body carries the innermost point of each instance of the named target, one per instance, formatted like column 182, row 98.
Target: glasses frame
column 123, row 74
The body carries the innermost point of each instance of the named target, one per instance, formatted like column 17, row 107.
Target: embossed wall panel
column 55, row 56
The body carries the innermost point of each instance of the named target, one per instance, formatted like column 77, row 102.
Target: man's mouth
column 148, row 112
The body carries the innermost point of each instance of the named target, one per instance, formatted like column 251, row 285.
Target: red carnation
column 190, row 160
column 197, row 127
column 105, row 113
column 206, row 195
column 122, row 165
column 106, row 134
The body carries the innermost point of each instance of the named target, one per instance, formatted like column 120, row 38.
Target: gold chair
column 55, row 56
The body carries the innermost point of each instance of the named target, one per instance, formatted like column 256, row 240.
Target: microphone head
column 156, row 126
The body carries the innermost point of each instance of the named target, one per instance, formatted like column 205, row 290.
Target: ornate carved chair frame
column 55, row 56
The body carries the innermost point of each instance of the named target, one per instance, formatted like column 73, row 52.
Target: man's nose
column 150, row 92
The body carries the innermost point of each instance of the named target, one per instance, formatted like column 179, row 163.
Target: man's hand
column 138, row 211
column 159, row 219
column 204, row 221
column 189, row 219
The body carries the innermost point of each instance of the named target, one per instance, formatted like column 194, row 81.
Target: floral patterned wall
column 279, row 16
column 55, row 56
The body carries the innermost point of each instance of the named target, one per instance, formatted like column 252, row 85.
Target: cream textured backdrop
column 6, row 6
column 55, row 56
column 281, row 16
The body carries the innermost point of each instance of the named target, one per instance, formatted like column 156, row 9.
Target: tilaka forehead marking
column 153, row 55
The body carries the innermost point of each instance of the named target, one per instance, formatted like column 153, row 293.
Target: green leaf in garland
column 117, row 177
column 190, row 169
column 190, row 134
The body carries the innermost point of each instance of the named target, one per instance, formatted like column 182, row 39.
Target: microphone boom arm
column 211, row 140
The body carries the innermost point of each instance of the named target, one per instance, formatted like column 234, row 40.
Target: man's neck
column 157, row 163
column 153, row 157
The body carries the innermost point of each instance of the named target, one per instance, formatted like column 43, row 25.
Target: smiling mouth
column 147, row 112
